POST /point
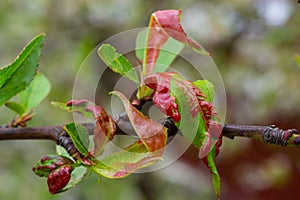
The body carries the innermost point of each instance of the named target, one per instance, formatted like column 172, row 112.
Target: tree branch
column 37, row 133
column 267, row 134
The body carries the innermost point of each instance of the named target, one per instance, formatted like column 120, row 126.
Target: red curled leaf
column 104, row 130
column 163, row 25
column 105, row 126
column 160, row 83
column 152, row 134
column 146, row 151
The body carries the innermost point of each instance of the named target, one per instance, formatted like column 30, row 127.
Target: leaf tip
column 40, row 36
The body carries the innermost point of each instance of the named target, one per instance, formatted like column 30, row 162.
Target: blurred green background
column 253, row 43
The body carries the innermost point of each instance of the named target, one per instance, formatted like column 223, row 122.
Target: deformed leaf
column 36, row 92
column 105, row 125
column 197, row 120
column 18, row 75
column 185, row 103
column 191, row 122
column 117, row 62
column 163, row 25
column 207, row 88
column 160, row 83
column 152, row 133
column 79, row 136
column 104, row 130
column 125, row 162
column 15, row 106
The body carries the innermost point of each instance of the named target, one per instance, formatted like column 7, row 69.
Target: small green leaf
column 61, row 105
column 79, row 136
column 213, row 170
column 117, row 62
column 18, row 108
column 78, row 174
column 61, row 151
column 36, row 92
column 79, row 106
column 207, row 88
column 18, row 75
column 125, row 162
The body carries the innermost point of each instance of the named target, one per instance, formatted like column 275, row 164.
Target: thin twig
column 268, row 134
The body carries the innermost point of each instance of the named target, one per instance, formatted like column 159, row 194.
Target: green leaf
column 36, row 92
column 167, row 55
column 78, row 174
column 61, row 151
column 18, row 75
column 207, row 88
column 140, row 44
column 191, row 122
column 152, row 133
column 125, row 162
column 18, row 108
column 117, row 62
column 79, row 136
column 214, row 171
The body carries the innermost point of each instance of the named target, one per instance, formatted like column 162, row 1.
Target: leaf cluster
column 188, row 103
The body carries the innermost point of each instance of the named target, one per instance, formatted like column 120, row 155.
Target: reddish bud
column 58, row 179
column 49, row 163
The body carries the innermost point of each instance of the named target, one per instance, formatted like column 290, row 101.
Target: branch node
column 274, row 135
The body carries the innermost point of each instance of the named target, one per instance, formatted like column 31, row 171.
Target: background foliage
column 253, row 44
